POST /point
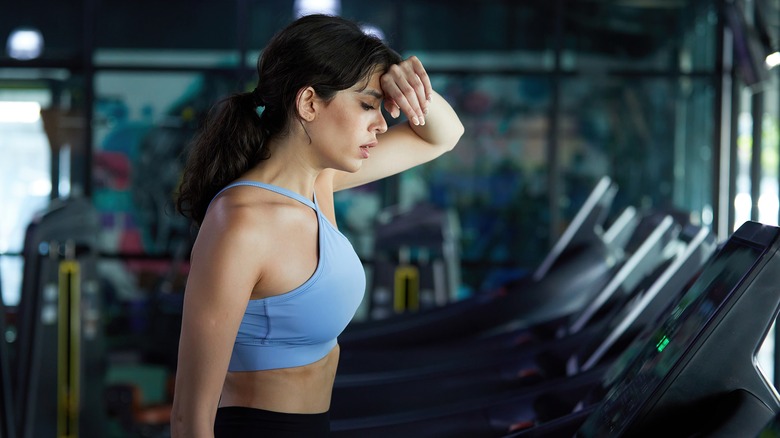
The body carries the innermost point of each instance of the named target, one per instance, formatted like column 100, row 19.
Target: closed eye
column 367, row 107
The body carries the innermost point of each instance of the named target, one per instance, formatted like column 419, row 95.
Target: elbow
column 457, row 132
column 460, row 131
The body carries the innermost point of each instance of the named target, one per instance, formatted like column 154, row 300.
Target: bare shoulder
column 252, row 219
column 237, row 224
column 235, row 215
column 250, row 235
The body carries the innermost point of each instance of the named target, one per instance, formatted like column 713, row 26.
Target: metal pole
column 553, row 162
column 721, row 148
column 757, row 112
column 85, row 174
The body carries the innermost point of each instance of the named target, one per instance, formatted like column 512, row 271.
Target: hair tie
column 259, row 104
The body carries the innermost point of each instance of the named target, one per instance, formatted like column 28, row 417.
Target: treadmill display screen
column 642, row 368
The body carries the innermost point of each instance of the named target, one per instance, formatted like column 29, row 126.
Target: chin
column 353, row 167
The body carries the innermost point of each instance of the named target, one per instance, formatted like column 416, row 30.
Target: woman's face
column 346, row 128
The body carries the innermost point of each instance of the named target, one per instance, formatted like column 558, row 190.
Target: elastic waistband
column 244, row 411
column 240, row 422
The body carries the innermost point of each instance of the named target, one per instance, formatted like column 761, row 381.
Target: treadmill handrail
column 605, row 190
column 625, row 271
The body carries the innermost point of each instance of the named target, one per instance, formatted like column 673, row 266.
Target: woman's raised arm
column 433, row 127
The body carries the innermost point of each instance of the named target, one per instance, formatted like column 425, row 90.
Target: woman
column 272, row 282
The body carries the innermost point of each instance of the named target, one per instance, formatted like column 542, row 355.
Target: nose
column 380, row 124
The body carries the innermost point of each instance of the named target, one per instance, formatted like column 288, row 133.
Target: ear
column 306, row 104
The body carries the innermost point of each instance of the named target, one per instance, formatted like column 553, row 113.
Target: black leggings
column 240, row 422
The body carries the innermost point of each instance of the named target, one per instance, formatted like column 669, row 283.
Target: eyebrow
column 374, row 93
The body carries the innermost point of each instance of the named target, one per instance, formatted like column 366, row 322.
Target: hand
column 407, row 88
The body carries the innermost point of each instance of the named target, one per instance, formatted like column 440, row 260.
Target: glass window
column 743, row 201
column 693, row 141
column 768, row 203
column 172, row 24
column 633, row 36
column 25, row 179
column 495, row 178
column 651, row 135
column 488, row 35
column 698, row 42
column 443, row 25
column 265, row 19
column 382, row 16
column 143, row 121
column 643, row 124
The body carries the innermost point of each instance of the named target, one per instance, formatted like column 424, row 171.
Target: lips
column 364, row 149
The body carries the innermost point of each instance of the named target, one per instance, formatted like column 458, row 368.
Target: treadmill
column 771, row 429
column 495, row 408
column 59, row 353
column 696, row 373
column 364, row 367
column 578, row 267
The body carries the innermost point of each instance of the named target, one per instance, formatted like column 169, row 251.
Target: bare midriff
column 301, row 390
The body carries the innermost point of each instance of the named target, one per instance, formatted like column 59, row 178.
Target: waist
column 305, row 389
column 236, row 421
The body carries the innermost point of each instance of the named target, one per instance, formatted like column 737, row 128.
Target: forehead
column 371, row 83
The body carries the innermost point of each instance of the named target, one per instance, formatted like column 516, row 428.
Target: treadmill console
column 641, row 375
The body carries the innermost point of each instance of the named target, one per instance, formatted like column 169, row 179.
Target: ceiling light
column 25, row 44
column 309, row 7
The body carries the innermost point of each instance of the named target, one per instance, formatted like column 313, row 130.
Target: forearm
column 194, row 409
column 202, row 365
column 185, row 425
column 442, row 126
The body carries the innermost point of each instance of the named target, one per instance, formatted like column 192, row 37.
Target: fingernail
column 415, row 120
column 422, row 120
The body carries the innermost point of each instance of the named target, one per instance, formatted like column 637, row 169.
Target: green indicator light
column 662, row 344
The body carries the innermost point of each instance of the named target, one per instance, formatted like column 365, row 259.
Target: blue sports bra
column 300, row 327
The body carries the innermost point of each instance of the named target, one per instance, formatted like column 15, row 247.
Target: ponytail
column 231, row 141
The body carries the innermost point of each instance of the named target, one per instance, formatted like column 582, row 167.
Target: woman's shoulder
column 237, row 224
column 251, row 212
column 235, row 207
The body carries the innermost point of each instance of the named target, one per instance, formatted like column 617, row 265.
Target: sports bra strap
column 280, row 190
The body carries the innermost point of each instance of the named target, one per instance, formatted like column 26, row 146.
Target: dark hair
column 328, row 53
